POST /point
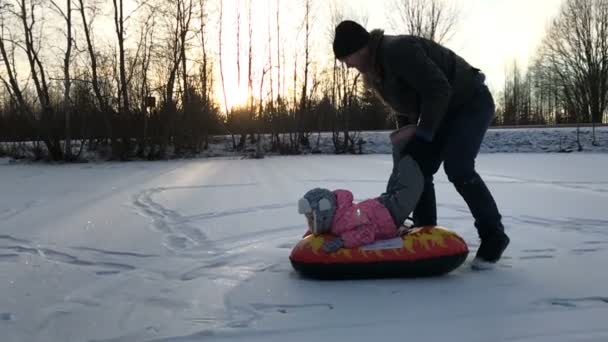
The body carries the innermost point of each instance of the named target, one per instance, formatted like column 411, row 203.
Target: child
column 357, row 224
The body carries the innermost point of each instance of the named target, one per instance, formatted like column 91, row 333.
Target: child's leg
column 404, row 190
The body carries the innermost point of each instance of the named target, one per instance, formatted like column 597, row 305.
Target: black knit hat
column 350, row 37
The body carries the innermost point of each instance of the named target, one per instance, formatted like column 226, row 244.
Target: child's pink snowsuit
column 361, row 223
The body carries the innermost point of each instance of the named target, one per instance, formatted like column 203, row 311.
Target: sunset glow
column 490, row 34
column 486, row 35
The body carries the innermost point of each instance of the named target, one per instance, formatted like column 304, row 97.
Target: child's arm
column 359, row 236
column 362, row 235
column 353, row 229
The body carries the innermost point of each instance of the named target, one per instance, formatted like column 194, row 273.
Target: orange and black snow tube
column 423, row 252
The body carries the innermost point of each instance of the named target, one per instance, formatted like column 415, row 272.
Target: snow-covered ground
column 497, row 140
column 506, row 140
column 198, row 250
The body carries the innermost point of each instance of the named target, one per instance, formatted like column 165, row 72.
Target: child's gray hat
column 319, row 206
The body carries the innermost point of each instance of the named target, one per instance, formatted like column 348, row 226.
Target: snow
column 505, row 140
column 197, row 250
column 497, row 140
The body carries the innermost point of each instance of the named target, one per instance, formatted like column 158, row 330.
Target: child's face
column 310, row 223
column 315, row 229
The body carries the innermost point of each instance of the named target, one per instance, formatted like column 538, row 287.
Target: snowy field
column 509, row 140
column 497, row 140
column 197, row 250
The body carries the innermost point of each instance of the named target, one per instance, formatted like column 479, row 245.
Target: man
column 429, row 85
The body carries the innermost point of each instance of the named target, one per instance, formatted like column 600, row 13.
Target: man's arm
column 411, row 64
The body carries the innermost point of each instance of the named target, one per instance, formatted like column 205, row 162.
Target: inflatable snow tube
column 423, row 252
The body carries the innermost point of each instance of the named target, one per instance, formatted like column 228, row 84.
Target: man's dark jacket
column 419, row 79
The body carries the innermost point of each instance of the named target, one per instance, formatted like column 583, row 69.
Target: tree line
column 150, row 90
column 567, row 80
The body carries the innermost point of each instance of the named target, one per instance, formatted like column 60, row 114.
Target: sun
column 236, row 96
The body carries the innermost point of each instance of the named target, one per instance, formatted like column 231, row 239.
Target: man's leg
column 425, row 213
column 462, row 145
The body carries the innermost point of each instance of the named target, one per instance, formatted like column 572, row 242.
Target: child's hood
column 344, row 198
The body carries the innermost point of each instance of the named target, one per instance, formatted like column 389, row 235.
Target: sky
column 490, row 34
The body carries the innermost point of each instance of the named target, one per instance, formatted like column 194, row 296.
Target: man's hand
column 399, row 140
column 418, row 148
column 403, row 135
column 333, row 245
column 423, row 151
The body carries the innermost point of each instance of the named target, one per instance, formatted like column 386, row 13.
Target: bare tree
column 431, row 19
column 220, row 41
column 147, row 102
column 50, row 106
column 259, row 151
column 205, row 79
column 303, row 106
column 577, row 49
column 270, row 65
column 172, row 55
column 516, row 104
column 102, row 100
column 185, row 10
column 278, row 48
column 250, row 56
column 12, row 85
column 238, row 43
column 251, row 117
column 205, row 65
column 26, row 13
column 221, row 64
column 67, row 82
column 344, row 86
column 119, row 23
column 15, row 93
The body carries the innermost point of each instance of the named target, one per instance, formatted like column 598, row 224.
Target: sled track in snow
column 105, row 267
column 12, row 212
column 183, row 238
column 179, row 235
column 219, row 258
column 579, row 224
column 12, row 239
column 591, row 228
column 580, row 302
column 224, row 259
column 12, row 249
column 584, row 186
